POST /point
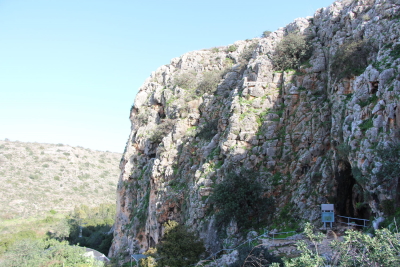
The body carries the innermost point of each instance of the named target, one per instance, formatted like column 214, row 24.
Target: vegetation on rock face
column 247, row 53
column 161, row 130
column 395, row 53
column 209, row 82
column 197, row 86
column 265, row 34
column 178, row 248
column 208, row 130
column 186, row 80
column 351, row 58
column 231, row 48
column 390, row 172
column 239, row 197
column 293, row 50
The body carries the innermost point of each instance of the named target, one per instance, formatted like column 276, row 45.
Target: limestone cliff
column 313, row 133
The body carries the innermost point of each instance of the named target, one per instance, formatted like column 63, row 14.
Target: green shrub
column 150, row 261
column 265, row 34
column 186, row 80
column 356, row 249
column 240, row 197
column 395, row 53
column 358, row 176
column 247, row 53
column 97, row 223
column 366, row 124
column 142, row 212
column 208, row 130
column 291, row 52
column 161, row 131
column 352, row 58
column 179, row 247
column 215, row 49
column 343, row 150
column 388, row 207
column 390, row 170
column 143, row 118
column 228, row 62
column 371, row 100
column 231, row 48
column 209, row 82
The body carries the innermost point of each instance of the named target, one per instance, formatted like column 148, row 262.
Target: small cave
column 151, row 242
column 349, row 194
column 305, row 168
column 374, row 86
column 345, row 182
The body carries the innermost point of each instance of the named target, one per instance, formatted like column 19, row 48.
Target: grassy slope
column 36, row 178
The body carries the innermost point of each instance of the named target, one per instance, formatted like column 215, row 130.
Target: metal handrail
column 358, row 219
column 247, row 241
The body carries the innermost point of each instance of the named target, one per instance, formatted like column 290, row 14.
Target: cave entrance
column 344, row 191
column 349, row 194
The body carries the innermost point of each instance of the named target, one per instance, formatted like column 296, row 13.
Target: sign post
column 327, row 214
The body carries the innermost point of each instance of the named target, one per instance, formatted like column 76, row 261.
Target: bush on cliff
column 162, row 129
column 240, row 198
column 209, row 82
column 185, row 80
column 291, row 52
column 179, row 247
column 208, row 130
column 352, row 58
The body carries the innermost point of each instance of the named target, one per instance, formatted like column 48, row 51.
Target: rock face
column 312, row 133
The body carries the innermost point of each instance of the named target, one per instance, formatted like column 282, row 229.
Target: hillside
column 308, row 114
column 36, row 178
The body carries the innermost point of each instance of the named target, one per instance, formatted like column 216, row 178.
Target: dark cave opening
column 349, row 194
column 151, row 242
column 345, row 182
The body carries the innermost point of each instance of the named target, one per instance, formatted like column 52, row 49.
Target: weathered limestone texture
column 218, row 110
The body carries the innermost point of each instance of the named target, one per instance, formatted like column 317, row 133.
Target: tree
column 240, row 197
column 62, row 230
column 291, row 52
column 179, row 247
column 265, row 34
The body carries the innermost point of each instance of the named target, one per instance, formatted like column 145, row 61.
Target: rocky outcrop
column 312, row 133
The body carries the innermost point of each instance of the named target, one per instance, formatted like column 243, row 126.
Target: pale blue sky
column 70, row 69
